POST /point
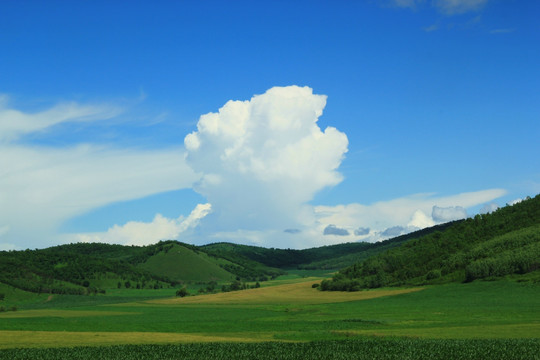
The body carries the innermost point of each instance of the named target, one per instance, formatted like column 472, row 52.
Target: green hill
column 62, row 270
column 501, row 243
column 179, row 263
column 330, row 257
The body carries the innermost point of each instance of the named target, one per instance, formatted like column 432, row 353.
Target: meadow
column 501, row 317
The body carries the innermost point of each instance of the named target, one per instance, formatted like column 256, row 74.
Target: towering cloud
column 262, row 159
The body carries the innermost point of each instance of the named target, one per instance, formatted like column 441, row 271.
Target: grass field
column 293, row 311
column 289, row 293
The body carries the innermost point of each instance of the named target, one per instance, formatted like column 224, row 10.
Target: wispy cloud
column 431, row 28
column 502, row 31
column 42, row 186
column 446, row 7
column 412, row 4
column 454, row 7
column 15, row 123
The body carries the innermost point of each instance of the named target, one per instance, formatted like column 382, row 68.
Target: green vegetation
column 502, row 243
column 498, row 318
column 369, row 348
column 89, row 269
column 131, row 310
column 183, row 264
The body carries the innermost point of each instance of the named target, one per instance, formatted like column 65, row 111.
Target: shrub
column 433, row 274
column 182, row 292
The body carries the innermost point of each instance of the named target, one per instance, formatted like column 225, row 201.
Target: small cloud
column 514, row 202
column 420, row 220
column 361, row 231
column 431, row 28
column 502, row 31
column 455, row 7
column 393, row 231
column 292, row 231
column 412, row 4
column 489, row 208
column 446, row 214
column 334, row 230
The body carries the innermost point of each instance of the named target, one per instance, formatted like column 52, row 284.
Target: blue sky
column 349, row 120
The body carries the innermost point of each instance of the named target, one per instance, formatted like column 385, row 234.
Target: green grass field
column 292, row 311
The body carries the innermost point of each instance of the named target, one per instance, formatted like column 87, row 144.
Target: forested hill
column 84, row 268
column 504, row 242
column 329, row 257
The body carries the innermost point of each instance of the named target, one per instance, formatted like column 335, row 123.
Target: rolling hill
column 181, row 263
column 505, row 242
column 497, row 244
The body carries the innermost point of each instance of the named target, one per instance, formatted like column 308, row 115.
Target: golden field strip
column 46, row 339
column 60, row 313
column 508, row 331
column 296, row 293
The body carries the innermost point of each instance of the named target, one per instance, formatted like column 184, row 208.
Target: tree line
column 504, row 242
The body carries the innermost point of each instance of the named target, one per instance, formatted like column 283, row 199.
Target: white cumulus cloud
column 399, row 216
column 145, row 233
column 262, row 159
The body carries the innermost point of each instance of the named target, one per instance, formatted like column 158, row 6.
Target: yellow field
column 26, row 339
column 516, row 331
column 60, row 313
column 297, row 293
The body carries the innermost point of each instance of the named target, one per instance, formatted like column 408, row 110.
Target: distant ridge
column 502, row 243
column 505, row 242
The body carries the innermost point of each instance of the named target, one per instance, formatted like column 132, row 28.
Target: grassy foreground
column 372, row 349
column 287, row 321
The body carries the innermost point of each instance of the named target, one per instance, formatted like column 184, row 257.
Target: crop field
column 479, row 317
column 359, row 349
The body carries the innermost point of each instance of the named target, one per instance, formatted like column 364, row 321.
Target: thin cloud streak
column 44, row 186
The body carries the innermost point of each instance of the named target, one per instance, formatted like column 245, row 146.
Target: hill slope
column 330, row 257
column 497, row 244
column 180, row 263
column 504, row 242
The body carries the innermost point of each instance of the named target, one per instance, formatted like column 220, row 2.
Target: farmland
column 476, row 316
